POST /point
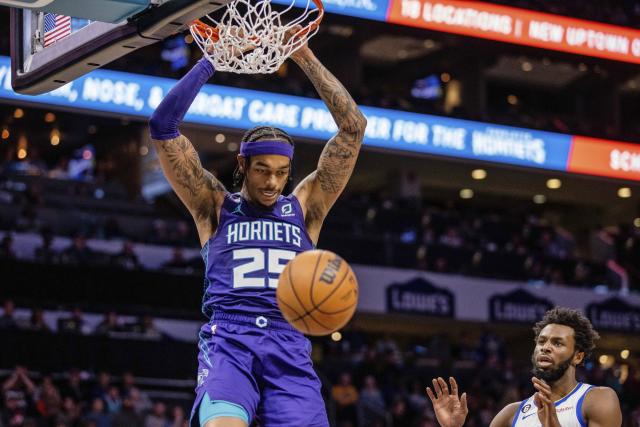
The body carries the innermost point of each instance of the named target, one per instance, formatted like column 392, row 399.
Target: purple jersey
column 246, row 255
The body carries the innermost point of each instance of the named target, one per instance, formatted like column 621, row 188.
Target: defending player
column 564, row 337
column 252, row 364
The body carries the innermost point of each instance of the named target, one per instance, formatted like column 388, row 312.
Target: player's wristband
column 166, row 118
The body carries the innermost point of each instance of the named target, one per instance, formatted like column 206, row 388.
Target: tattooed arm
column 320, row 190
column 198, row 189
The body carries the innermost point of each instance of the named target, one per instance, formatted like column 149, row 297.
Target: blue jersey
column 244, row 258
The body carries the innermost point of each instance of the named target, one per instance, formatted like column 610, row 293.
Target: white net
column 255, row 38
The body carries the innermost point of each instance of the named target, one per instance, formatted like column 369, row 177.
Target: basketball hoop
column 252, row 38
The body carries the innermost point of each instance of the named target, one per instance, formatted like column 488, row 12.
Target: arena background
column 499, row 178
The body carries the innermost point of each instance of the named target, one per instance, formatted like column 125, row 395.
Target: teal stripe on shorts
column 210, row 409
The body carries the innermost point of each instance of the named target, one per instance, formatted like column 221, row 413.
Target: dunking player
column 564, row 337
column 252, row 364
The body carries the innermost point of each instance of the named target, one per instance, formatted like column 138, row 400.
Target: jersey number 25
column 255, row 265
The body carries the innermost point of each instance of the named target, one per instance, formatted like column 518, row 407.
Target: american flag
column 56, row 27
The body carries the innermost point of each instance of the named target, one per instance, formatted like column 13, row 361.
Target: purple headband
column 248, row 149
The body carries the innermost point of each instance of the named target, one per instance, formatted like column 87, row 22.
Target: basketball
column 317, row 292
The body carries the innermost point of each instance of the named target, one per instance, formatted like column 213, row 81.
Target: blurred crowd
column 410, row 232
column 452, row 238
column 81, row 166
column 75, row 323
column 80, row 253
column 77, row 399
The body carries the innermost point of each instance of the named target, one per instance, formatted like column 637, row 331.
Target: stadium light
column 624, row 192
column 54, row 137
column 478, row 174
column 466, row 193
column 539, row 199
column 554, row 183
column 23, row 143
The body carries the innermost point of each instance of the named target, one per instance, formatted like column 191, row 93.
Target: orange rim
column 205, row 31
column 316, row 22
column 209, row 32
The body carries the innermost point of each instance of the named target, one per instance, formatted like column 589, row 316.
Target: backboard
column 41, row 65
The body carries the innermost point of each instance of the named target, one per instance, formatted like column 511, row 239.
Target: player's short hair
column 584, row 334
column 257, row 134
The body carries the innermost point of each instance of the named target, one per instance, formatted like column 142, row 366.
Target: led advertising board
column 134, row 95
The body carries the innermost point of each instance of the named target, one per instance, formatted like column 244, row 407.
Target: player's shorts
column 262, row 365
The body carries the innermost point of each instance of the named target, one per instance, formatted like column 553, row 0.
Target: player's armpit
column 601, row 408
column 326, row 183
column 319, row 191
column 504, row 418
column 314, row 209
column 198, row 189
